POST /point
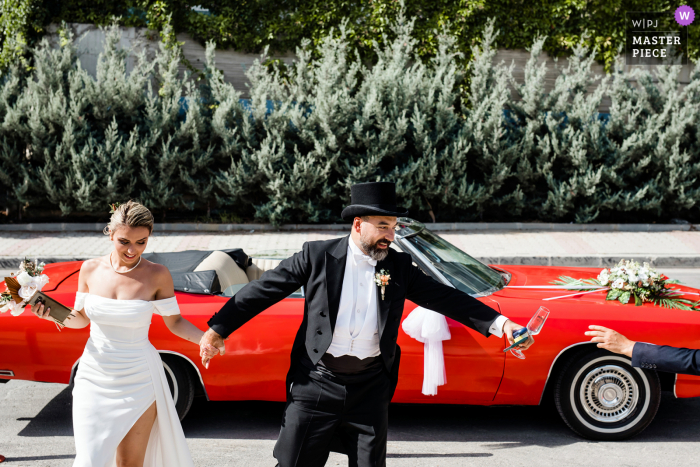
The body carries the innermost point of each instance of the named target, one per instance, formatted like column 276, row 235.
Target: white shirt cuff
column 497, row 326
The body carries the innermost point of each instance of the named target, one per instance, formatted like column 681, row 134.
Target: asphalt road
column 35, row 430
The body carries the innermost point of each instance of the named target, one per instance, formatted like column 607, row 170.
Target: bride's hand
column 39, row 310
column 208, row 351
column 210, row 345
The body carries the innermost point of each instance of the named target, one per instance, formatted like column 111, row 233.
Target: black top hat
column 373, row 199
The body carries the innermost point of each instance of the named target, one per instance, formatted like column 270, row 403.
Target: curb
column 563, row 261
column 439, row 226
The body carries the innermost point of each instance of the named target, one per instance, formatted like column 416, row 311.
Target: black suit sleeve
column 273, row 286
column 666, row 358
column 455, row 304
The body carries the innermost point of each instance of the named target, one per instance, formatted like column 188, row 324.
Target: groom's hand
column 611, row 340
column 211, row 344
column 509, row 327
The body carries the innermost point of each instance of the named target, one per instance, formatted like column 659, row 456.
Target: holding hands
column 210, row 345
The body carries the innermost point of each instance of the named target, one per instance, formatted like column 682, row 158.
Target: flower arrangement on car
column 21, row 286
column 629, row 280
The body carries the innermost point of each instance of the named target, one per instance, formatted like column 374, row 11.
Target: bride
column 123, row 413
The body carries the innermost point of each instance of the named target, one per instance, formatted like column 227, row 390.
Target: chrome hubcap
column 609, row 393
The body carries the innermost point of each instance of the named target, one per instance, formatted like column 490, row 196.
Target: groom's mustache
column 381, row 242
column 374, row 250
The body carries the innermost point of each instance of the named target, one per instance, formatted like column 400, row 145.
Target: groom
column 345, row 361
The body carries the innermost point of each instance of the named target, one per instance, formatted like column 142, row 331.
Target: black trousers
column 325, row 412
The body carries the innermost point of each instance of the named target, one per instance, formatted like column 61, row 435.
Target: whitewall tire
column 601, row 396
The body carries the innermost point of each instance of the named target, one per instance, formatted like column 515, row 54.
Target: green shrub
column 291, row 153
column 78, row 142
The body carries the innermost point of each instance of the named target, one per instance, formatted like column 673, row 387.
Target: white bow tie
column 358, row 258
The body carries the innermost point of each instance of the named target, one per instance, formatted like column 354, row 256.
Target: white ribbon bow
column 430, row 328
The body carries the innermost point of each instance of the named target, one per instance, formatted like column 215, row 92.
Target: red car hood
column 545, row 275
column 58, row 272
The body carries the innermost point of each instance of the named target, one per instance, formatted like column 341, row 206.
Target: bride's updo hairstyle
column 130, row 214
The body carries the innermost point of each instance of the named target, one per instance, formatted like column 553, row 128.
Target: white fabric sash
column 430, row 328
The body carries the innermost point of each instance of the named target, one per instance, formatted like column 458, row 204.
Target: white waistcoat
column 356, row 330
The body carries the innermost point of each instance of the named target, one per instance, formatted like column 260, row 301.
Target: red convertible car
column 598, row 394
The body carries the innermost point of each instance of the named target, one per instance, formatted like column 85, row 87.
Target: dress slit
column 139, row 418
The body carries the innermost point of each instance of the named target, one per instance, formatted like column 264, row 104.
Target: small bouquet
column 21, row 286
column 630, row 280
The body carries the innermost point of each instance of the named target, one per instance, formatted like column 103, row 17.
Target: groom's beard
column 373, row 251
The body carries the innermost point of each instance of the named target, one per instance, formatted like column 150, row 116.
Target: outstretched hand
column 210, row 345
column 611, row 340
column 509, row 327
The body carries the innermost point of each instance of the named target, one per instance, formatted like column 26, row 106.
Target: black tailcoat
column 320, row 267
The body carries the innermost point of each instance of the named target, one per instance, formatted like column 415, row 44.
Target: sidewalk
column 574, row 248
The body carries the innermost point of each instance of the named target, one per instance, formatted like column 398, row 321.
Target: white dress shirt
column 356, row 330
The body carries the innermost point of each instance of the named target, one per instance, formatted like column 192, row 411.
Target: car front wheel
column 180, row 382
column 602, row 397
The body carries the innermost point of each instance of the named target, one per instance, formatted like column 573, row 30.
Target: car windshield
column 464, row 272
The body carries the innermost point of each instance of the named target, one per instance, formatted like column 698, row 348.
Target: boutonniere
column 381, row 278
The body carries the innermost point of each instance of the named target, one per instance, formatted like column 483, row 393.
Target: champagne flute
column 532, row 329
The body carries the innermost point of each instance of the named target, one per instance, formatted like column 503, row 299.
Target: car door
column 473, row 365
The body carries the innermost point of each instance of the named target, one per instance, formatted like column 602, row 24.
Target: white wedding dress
column 119, row 376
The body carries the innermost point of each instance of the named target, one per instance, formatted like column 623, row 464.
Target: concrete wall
column 233, row 64
column 89, row 40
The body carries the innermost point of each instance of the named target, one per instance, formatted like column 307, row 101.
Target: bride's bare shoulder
column 88, row 270
column 156, row 269
column 160, row 279
column 90, row 265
